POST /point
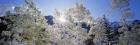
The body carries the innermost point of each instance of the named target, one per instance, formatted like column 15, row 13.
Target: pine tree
column 67, row 33
column 134, row 35
column 28, row 26
column 80, row 15
column 126, row 13
column 101, row 32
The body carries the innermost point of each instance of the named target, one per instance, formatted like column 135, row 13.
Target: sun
column 62, row 19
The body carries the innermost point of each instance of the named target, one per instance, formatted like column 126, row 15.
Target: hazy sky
column 96, row 7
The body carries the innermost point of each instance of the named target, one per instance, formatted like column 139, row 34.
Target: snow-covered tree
column 101, row 32
column 80, row 16
column 64, row 31
column 127, row 32
column 131, row 37
column 135, row 31
column 27, row 26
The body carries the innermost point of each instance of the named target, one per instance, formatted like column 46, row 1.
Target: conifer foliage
column 26, row 25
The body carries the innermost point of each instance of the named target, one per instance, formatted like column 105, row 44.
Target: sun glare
column 62, row 19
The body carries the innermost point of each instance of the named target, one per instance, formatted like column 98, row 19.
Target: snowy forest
column 26, row 25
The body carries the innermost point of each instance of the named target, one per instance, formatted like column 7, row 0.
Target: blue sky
column 96, row 7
